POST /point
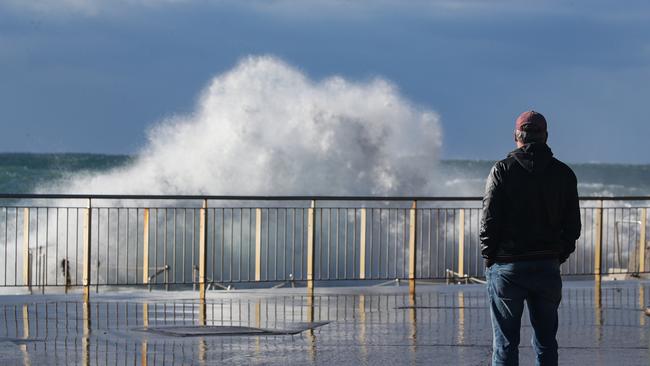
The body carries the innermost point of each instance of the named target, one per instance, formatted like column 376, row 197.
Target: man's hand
column 563, row 257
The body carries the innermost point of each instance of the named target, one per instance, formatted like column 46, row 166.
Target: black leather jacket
column 530, row 208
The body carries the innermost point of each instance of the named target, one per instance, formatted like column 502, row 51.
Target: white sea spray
column 266, row 128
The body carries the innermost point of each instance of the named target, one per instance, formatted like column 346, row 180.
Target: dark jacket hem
column 525, row 257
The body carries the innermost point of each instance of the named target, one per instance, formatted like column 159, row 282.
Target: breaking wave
column 264, row 127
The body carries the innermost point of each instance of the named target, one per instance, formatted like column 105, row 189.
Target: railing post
column 412, row 244
column 362, row 245
column 86, row 250
column 461, row 243
column 598, row 302
column 598, row 242
column 203, row 235
column 203, row 315
column 642, row 239
column 258, row 244
column 27, row 270
column 145, row 247
column 258, row 314
column 310, row 246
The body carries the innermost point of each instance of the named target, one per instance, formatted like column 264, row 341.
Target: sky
column 94, row 75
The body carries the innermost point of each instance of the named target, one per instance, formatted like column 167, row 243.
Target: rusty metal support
column 412, row 246
column 310, row 246
column 598, row 241
column 461, row 243
column 86, row 251
column 145, row 247
column 203, row 235
column 27, row 270
column 642, row 240
column 362, row 245
column 258, row 244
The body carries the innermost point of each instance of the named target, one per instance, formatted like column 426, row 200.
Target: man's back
column 531, row 220
column 533, row 198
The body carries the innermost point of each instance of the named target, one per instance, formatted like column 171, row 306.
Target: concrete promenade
column 440, row 325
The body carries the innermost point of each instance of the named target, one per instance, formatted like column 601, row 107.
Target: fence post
column 461, row 243
column 642, row 240
column 362, row 245
column 258, row 244
column 86, row 250
column 203, row 234
column 598, row 249
column 310, row 246
column 145, row 247
column 412, row 244
column 27, row 271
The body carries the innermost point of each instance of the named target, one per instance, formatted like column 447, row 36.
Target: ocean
column 26, row 173
column 32, row 173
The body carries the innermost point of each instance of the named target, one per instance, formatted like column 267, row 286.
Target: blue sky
column 92, row 76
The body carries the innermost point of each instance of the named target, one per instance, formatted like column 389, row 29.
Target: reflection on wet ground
column 367, row 326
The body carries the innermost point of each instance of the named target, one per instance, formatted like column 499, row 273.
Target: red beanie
column 531, row 121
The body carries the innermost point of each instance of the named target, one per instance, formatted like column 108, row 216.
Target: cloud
column 80, row 7
column 344, row 9
column 302, row 9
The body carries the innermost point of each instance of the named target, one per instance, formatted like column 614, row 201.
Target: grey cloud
column 90, row 8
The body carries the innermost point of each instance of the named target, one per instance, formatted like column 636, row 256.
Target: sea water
column 32, row 173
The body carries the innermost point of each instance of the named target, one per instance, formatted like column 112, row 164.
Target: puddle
column 225, row 330
column 387, row 326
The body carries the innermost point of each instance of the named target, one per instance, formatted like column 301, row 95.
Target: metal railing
column 219, row 241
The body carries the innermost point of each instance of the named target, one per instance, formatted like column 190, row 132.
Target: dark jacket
column 530, row 208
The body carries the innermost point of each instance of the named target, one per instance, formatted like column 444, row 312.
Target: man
column 530, row 223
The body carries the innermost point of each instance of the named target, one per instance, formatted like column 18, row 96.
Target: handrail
column 282, row 198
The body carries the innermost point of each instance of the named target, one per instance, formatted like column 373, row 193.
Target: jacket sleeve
column 571, row 224
column 492, row 213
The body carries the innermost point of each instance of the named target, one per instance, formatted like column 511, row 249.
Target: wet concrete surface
column 440, row 325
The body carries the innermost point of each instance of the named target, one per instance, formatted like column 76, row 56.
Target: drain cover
column 228, row 330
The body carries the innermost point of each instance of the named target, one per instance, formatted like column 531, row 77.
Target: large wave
column 266, row 128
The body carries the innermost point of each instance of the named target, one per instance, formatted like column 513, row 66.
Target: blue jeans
column 538, row 282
